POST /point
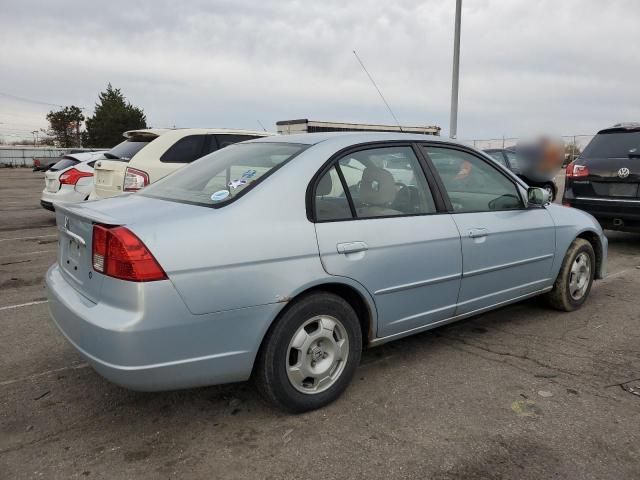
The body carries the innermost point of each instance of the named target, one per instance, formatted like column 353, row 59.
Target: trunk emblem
column 623, row 172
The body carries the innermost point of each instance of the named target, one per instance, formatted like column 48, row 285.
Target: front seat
column 377, row 191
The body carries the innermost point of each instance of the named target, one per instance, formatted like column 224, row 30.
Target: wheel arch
column 351, row 291
column 594, row 239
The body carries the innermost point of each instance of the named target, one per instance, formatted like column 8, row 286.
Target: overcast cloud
column 567, row 67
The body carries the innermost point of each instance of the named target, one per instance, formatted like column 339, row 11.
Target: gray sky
column 565, row 67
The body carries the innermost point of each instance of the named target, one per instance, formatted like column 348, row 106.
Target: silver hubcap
column 317, row 354
column 580, row 276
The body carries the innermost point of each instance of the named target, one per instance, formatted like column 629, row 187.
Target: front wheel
column 550, row 188
column 574, row 281
column 310, row 355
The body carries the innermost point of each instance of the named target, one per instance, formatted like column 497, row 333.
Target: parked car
column 604, row 180
column 42, row 164
column 509, row 158
column 281, row 258
column 70, row 179
column 151, row 154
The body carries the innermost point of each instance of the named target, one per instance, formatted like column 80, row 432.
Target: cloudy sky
column 566, row 67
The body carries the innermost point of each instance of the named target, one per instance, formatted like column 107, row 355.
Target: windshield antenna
column 260, row 123
column 376, row 87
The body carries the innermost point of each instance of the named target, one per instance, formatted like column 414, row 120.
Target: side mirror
column 538, row 196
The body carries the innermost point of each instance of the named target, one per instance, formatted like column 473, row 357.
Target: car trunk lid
column 109, row 177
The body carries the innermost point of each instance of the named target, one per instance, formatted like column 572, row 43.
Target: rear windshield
column 218, row 178
column 63, row 163
column 613, row 145
column 126, row 150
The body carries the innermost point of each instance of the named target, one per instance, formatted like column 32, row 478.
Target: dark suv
column 604, row 180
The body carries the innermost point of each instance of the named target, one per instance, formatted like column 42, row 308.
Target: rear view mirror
column 537, row 196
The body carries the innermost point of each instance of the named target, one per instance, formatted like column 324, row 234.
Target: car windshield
column 613, row 145
column 126, row 150
column 216, row 179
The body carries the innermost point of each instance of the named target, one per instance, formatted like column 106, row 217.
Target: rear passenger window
column 386, row 182
column 185, row 150
column 331, row 202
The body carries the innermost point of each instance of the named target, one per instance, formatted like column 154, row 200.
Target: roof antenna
column 376, row 86
column 260, row 123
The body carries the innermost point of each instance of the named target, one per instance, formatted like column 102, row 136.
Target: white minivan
column 151, row 154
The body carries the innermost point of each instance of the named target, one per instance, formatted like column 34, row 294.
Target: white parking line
column 44, row 374
column 28, row 304
column 28, row 238
column 37, row 252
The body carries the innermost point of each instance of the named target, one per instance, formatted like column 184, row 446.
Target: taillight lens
column 134, row 180
column 574, row 170
column 119, row 253
column 71, row 177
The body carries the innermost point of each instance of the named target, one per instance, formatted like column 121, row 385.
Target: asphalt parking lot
column 521, row 392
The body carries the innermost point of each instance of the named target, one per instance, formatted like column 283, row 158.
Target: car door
column 507, row 248
column 378, row 222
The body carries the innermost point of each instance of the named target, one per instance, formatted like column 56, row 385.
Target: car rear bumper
column 162, row 346
column 47, row 205
column 613, row 214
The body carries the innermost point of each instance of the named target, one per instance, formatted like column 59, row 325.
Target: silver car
column 280, row 259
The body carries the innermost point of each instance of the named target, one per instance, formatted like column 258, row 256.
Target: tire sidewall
column 277, row 350
column 584, row 248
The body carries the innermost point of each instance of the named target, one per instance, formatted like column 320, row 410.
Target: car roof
column 622, row 127
column 191, row 131
column 353, row 138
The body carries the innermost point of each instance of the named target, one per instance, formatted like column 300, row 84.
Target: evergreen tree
column 112, row 117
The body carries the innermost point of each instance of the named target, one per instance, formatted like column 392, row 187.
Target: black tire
column 551, row 188
column 270, row 372
column 560, row 297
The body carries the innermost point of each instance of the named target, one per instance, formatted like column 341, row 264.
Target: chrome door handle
column 478, row 232
column 351, row 247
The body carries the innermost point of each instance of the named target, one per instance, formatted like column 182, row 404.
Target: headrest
column 377, row 187
column 324, row 185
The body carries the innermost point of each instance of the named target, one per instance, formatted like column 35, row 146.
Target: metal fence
column 577, row 141
column 23, row 156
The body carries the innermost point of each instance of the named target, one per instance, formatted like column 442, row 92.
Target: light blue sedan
column 281, row 258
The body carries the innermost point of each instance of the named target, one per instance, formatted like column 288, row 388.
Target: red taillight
column 71, row 177
column 134, row 180
column 574, row 170
column 36, row 162
column 118, row 253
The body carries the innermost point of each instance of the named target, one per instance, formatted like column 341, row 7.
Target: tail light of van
column 134, row 180
column 575, row 171
column 71, row 176
column 117, row 252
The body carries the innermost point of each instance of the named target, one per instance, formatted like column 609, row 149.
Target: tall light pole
column 453, row 118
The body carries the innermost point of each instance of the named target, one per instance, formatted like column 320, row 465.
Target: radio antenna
column 260, row 123
column 376, row 87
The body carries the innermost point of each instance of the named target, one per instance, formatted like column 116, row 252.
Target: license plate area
column 103, row 178
column 606, row 189
column 71, row 258
column 51, row 185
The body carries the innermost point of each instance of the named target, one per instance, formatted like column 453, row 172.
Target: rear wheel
column 310, row 355
column 574, row 281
